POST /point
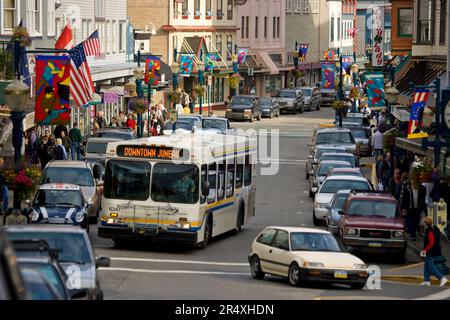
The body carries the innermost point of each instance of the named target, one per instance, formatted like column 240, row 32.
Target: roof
column 45, row 228
column 334, row 129
column 337, row 170
column 245, row 96
column 35, row 259
column 299, row 229
column 59, row 186
column 68, row 164
column 354, row 178
column 327, row 146
column 333, row 162
column 338, row 154
column 102, row 139
column 372, row 195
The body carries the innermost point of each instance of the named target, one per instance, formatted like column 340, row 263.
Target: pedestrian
column 431, row 250
column 377, row 143
column 179, row 108
column 101, row 120
column 395, row 184
column 66, row 141
column 58, row 129
column 131, row 123
column 15, row 218
column 50, row 151
column 186, row 110
column 4, row 192
column 412, row 203
column 191, row 106
column 382, row 118
column 386, row 171
column 77, row 139
column 114, row 122
column 122, row 121
column 60, row 150
column 378, row 170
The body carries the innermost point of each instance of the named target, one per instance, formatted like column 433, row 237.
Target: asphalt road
column 221, row 271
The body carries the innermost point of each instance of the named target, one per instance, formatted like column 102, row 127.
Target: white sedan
column 305, row 254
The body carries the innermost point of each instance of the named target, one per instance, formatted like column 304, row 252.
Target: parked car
column 244, row 108
column 269, row 107
column 220, row 124
column 59, row 203
column 333, row 218
column 75, row 254
column 363, row 139
column 312, row 97
column 327, row 190
column 347, row 157
column 180, row 126
column 122, row 133
column 12, row 285
column 305, row 254
column 313, row 158
column 327, row 96
column 321, row 173
column 356, row 172
column 372, row 222
column 290, row 100
column 96, row 148
column 334, row 137
column 78, row 173
column 356, row 119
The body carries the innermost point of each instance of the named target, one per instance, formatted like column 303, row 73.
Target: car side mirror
column 102, row 261
column 341, row 212
column 78, row 294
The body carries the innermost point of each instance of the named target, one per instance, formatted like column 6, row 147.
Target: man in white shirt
column 179, row 109
column 377, row 144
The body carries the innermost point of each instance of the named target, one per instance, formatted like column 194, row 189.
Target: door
column 264, row 249
column 279, row 254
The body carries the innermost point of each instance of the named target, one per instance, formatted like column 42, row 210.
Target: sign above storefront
column 378, row 36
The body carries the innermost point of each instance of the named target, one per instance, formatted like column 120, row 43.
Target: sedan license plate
column 374, row 244
column 56, row 220
column 340, row 274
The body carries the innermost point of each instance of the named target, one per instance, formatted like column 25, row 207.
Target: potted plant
column 173, row 96
column 21, row 34
column 141, row 106
column 23, row 180
column 421, row 170
column 198, row 90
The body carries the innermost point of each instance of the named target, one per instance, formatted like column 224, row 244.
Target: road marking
column 437, row 296
column 211, row 263
column 175, row 271
column 406, row 267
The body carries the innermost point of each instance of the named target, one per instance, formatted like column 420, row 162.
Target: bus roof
column 203, row 147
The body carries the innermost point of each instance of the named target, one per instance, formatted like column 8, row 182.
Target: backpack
column 51, row 152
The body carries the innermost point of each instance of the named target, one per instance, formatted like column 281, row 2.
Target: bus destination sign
column 152, row 152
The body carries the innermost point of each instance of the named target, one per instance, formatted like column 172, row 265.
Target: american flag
column 92, row 45
column 420, row 98
column 82, row 87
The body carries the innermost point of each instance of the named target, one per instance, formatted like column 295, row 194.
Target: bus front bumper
column 160, row 234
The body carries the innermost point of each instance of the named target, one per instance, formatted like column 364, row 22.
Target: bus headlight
column 183, row 225
column 34, row 216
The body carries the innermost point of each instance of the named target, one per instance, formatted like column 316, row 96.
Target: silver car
column 347, row 157
column 75, row 254
column 321, row 173
column 290, row 100
column 312, row 97
column 313, row 158
column 334, row 136
column 333, row 217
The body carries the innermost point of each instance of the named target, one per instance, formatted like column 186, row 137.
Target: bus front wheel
column 207, row 234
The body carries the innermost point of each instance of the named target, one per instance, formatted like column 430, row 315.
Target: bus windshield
column 175, row 183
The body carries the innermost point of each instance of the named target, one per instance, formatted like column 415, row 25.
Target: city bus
column 186, row 187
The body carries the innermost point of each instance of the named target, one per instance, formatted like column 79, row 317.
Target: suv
column 290, row 100
column 372, row 222
column 244, row 108
column 327, row 96
column 312, row 97
column 78, row 173
column 341, row 137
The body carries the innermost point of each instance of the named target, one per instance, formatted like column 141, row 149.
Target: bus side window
column 248, row 171
column 221, row 182
column 204, row 183
column 212, row 180
column 230, row 177
column 239, row 172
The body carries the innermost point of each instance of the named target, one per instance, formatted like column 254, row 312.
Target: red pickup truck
column 372, row 222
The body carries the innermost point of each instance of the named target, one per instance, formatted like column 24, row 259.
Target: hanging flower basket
column 21, row 34
column 199, row 90
column 297, row 73
column 421, row 170
column 389, row 138
column 234, row 81
column 354, row 93
column 173, row 96
column 338, row 105
column 22, row 180
column 141, row 106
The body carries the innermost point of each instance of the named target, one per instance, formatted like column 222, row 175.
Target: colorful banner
column 242, row 55
column 210, row 60
column 152, row 70
column 328, row 55
column 378, row 36
column 110, row 97
column 346, row 64
column 52, row 90
column 186, row 65
column 375, row 90
column 302, row 51
column 420, row 98
column 328, row 72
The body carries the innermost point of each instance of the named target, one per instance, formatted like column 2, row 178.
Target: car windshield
column 326, row 167
column 175, row 183
column 346, row 173
column 96, row 147
column 246, row 101
column 49, row 273
column 71, row 246
column 265, row 101
column 334, row 137
column 192, row 121
column 360, row 134
column 307, row 92
column 333, row 186
column 310, row 241
column 47, row 197
column 179, row 125
column 286, row 94
column 77, row 176
column 369, row 208
column 338, row 200
column 123, row 135
column 338, row 157
column 215, row 124
column 128, row 180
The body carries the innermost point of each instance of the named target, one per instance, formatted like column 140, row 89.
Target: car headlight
column 351, row 232
column 313, row 265
column 398, row 234
column 247, row 110
column 228, row 110
column 359, row 266
column 34, row 215
column 79, row 217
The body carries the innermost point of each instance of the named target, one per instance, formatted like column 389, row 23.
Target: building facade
column 402, row 27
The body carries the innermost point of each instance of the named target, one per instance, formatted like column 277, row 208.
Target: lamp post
column 139, row 76
column 201, row 79
column 355, row 83
column 295, row 58
column 175, row 70
column 340, row 93
column 235, row 71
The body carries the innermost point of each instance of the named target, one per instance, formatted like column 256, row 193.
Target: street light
column 295, row 57
column 175, row 70
column 234, row 58
column 355, row 70
column 201, row 79
column 16, row 94
column 139, row 77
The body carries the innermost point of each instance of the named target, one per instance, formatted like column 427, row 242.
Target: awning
column 268, row 62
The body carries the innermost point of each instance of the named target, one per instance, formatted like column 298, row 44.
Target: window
column 197, row 12
column 9, row 14
column 185, row 8
column 229, row 47
column 243, row 27
column 332, row 29
column 265, row 27
column 306, row 6
column 221, row 182
column 256, row 27
column 128, row 180
column 247, row 29
column 298, row 6
column 274, row 27
column 442, row 22
column 281, row 240
column 79, row 176
column 212, row 182
column 219, row 9
column 289, row 6
column 219, row 44
column 122, row 36
column 278, row 27
column 176, row 6
column 230, row 178
column 204, row 181
column 239, row 172
column 314, row 6
column 34, row 9
column 208, row 9
column 230, row 10
column 338, row 29
column 248, row 171
column 266, row 237
column 108, row 36
column 100, row 9
column 51, row 18
column 425, row 26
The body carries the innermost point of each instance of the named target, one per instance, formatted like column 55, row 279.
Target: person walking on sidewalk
column 431, row 250
column 77, row 140
column 377, row 143
column 412, row 203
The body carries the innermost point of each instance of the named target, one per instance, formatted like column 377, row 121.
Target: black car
column 244, row 108
column 269, row 107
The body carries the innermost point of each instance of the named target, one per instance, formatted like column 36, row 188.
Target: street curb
column 410, row 279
